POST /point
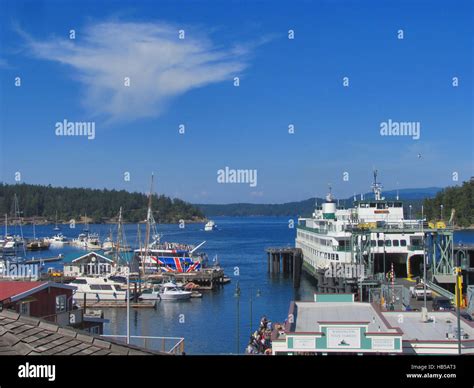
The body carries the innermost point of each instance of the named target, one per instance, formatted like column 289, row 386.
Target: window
column 396, row 243
column 403, row 243
column 380, row 243
column 25, row 308
column 373, row 243
column 61, row 303
column 388, row 243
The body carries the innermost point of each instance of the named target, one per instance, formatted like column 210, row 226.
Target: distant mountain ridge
column 412, row 197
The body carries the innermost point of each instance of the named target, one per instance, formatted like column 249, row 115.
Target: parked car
column 442, row 304
column 466, row 316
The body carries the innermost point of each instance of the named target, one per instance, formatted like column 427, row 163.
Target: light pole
column 458, row 298
column 128, row 305
column 237, row 296
column 441, row 206
column 410, row 210
column 257, row 295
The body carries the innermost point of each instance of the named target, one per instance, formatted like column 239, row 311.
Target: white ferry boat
column 334, row 237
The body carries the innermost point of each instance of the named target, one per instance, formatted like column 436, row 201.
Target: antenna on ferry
column 377, row 187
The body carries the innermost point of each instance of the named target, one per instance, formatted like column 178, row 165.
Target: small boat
column 87, row 241
column 210, row 226
column 98, row 289
column 166, row 291
column 108, row 244
column 57, row 240
column 37, row 245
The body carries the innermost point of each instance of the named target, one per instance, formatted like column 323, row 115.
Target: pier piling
column 287, row 260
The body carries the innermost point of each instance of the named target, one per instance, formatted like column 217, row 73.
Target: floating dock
column 205, row 279
column 115, row 304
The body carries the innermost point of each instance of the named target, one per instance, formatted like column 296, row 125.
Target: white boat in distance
column 57, row 240
column 210, row 226
column 88, row 241
column 166, row 291
column 98, row 289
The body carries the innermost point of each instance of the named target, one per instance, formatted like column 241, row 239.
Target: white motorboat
column 57, row 240
column 98, row 289
column 108, row 244
column 87, row 241
column 166, row 291
column 210, row 226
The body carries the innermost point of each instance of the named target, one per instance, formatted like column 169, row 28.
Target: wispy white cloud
column 160, row 66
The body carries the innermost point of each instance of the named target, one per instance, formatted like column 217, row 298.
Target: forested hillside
column 99, row 205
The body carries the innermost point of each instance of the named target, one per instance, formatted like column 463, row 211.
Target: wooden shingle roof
column 22, row 335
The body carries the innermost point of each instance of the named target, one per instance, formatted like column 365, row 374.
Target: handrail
column 179, row 343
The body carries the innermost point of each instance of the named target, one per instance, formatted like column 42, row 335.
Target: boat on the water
column 170, row 257
column 98, row 288
column 57, row 240
column 166, row 291
column 38, row 245
column 210, row 226
column 329, row 239
column 88, row 241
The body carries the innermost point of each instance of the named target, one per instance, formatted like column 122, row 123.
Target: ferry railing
column 150, row 342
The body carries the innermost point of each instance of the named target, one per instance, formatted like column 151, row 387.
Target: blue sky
column 282, row 82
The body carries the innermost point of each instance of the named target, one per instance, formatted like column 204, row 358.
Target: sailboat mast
column 148, row 222
column 119, row 237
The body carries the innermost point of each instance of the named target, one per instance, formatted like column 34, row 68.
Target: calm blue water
column 209, row 325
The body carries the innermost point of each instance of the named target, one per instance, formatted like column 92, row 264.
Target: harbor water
column 220, row 322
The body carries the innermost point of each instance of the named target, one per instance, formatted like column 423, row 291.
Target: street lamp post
column 237, row 338
column 257, row 295
column 458, row 298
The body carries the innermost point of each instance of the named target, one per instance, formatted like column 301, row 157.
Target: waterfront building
column 337, row 324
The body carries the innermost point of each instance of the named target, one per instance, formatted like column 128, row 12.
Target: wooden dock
column 205, row 279
column 286, row 260
column 119, row 303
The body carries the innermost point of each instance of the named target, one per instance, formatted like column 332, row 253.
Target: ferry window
column 396, row 243
column 388, row 243
column 95, row 287
column 380, row 206
column 380, row 243
column 372, row 204
column 337, row 256
column 60, row 303
column 403, row 243
column 373, row 243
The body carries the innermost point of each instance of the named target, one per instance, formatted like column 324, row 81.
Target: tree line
column 460, row 198
column 99, row 205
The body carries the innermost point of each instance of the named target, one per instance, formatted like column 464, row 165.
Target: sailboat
column 56, row 227
column 11, row 244
column 37, row 244
column 160, row 256
column 86, row 225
